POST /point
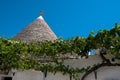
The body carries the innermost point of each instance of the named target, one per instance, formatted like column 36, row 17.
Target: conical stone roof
column 38, row 30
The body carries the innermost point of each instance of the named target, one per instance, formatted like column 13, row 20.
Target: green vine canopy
column 49, row 56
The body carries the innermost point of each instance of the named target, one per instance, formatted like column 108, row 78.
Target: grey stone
column 37, row 30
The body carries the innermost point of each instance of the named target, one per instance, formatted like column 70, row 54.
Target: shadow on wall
column 111, row 79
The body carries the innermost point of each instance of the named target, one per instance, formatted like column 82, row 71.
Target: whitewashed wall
column 28, row 75
column 57, row 76
column 104, row 73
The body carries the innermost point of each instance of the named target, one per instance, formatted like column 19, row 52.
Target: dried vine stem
column 97, row 67
column 107, row 63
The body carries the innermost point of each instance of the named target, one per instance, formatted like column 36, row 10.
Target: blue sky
column 67, row 18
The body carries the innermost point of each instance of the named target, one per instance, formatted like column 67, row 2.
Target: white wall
column 104, row 73
column 57, row 76
column 28, row 75
column 37, row 75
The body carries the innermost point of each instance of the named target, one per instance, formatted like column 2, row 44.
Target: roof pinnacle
column 41, row 13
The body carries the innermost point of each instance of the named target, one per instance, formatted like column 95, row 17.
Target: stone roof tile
column 38, row 30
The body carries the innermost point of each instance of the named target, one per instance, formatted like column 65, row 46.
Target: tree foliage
column 50, row 56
